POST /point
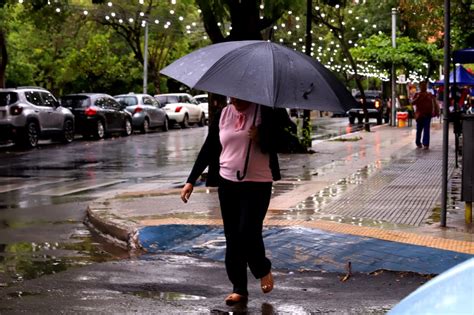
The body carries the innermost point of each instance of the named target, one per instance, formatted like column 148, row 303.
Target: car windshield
column 201, row 99
column 76, row 101
column 8, row 98
column 127, row 100
column 368, row 95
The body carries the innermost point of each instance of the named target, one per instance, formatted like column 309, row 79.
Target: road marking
column 77, row 186
column 8, row 184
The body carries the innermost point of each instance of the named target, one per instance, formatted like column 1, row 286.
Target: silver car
column 146, row 111
column 30, row 113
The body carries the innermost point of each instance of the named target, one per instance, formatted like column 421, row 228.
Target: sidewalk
column 371, row 199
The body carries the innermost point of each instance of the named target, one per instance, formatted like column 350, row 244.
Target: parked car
column 146, row 111
column 376, row 107
column 98, row 115
column 28, row 114
column 203, row 102
column 181, row 109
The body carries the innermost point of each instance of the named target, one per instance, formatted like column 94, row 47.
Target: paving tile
column 366, row 254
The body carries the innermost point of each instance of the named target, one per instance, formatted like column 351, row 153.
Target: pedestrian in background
column 243, row 202
column 426, row 107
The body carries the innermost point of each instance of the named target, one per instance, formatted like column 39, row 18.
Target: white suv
column 181, row 109
column 30, row 113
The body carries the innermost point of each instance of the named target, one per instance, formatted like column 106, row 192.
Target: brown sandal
column 266, row 283
column 235, row 298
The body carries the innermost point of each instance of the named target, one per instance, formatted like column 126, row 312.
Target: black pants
column 243, row 208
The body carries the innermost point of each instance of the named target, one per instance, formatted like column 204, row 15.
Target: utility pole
column 307, row 113
column 394, row 75
column 447, row 53
column 145, row 60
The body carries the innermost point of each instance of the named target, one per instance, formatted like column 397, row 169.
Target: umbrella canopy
column 264, row 73
column 463, row 77
column 452, row 292
column 464, row 55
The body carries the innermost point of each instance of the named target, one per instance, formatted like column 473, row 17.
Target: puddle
column 29, row 260
column 168, row 296
column 314, row 203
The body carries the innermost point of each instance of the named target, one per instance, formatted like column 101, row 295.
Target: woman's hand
column 186, row 192
column 253, row 133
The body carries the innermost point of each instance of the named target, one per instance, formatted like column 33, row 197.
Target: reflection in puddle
column 29, row 260
column 169, row 296
column 311, row 206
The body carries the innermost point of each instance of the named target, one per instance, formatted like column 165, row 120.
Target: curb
column 123, row 232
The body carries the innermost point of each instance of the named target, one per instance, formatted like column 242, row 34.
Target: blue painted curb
column 296, row 248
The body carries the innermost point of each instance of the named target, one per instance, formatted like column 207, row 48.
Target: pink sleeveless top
column 234, row 128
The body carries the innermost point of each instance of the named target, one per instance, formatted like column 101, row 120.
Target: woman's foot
column 235, row 298
column 266, row 283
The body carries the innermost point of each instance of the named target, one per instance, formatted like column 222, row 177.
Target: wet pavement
column 178, row 284
column 371, row 199
column 347, row 202
column 44, row 193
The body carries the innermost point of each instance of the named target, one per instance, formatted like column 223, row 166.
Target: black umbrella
column 264, row 73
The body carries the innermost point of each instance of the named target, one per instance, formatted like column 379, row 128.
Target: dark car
column 98, row 115
column 376, row 107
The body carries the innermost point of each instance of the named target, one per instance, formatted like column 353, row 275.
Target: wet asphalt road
column 44, row 193
column 171, row 284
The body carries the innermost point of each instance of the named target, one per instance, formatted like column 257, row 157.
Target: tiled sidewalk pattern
column 299, row 248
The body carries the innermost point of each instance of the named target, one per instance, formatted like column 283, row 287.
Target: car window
column 161, row 99
column 201, row 99
column 185, row 99
column 173, row 99
column 34, row 98
column 147, row 100
column 8, row 98
column 101, row 102
column 113, row 104
column 76, row 101
column 127, row 100
column 48, row 99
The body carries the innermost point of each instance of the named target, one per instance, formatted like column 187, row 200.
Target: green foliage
column 408, row 54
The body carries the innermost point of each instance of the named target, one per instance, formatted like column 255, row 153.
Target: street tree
column 410, row 55
column 347, row 22
column 424, row 20
column 233, row 20
column 166, row 24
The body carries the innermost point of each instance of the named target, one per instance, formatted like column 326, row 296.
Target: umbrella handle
column 244, row 173
column 247, row 157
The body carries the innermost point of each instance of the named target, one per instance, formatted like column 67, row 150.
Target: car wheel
column 166, row 124
column 351, row 120
column 68, row 131
column 185, row 122
column 202, row 121
column 30, row 137
column 128, row 128
column 146, row 126
column 99, row 130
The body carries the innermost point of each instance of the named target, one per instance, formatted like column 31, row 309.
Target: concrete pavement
column 371, row 199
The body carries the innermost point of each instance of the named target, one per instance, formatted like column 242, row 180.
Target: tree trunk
column 358, row 82
column 3, row 59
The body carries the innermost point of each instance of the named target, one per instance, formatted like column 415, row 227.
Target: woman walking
column 244, row 192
